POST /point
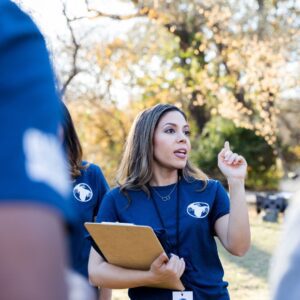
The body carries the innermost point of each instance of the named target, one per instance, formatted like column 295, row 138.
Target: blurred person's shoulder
column 292, row 216
column 14, row 21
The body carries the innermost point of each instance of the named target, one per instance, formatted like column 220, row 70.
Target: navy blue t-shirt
column 198, row 211
column 32, row 161
column 88, row 191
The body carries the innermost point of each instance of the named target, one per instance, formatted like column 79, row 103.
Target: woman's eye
column 187, row 132
column 169, row 130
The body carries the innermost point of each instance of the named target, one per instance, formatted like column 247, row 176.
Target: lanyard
column 177, row 217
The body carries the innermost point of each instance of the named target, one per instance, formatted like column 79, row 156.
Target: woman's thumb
column 162, row 259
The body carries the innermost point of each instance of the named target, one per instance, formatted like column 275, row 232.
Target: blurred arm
column 33, row 256
column 105, row 294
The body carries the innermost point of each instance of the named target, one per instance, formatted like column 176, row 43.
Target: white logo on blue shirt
column 45, row 161
column 82, row 192
column 198, row 210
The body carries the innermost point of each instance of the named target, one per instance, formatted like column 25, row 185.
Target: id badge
column 182, row 296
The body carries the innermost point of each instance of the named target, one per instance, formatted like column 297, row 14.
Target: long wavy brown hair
column 136, row 167
column 72, row 144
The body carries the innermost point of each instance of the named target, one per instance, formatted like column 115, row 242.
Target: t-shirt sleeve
column 221, row 204
column 107, row 211
column 102, row 190
column 104, row 187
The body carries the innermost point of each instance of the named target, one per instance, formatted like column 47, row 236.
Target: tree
column 228, row 60
column 213, row 58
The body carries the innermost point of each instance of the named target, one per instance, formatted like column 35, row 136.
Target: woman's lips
column 181, row 153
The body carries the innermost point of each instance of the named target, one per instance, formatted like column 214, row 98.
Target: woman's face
column 171, row 141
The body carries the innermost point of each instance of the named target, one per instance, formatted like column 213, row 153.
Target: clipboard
column 129, row 246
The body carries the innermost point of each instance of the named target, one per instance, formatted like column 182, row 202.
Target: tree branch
column 142, row 12
column 76, row 47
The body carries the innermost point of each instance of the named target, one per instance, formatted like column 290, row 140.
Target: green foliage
column 262, row 172
column 210, row 58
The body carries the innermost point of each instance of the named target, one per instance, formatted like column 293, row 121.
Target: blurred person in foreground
column 34, row 185
column 285, row 264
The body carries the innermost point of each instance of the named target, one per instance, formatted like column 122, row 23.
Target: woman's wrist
column 235, row 181
column 150, row 278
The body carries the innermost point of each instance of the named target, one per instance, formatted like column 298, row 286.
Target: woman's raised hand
column 232, row 165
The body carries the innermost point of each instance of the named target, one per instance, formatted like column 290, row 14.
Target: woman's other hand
column 232, row 165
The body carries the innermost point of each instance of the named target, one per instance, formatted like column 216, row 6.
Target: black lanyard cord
column 183, row 278
column 177, row 217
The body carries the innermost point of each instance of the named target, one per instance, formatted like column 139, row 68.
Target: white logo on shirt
column 198, row 209
column 44, row 160
column 82, row 192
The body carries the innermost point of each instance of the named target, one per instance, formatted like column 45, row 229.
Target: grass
column 248, row 275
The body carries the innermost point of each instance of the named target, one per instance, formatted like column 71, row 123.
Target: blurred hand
column 79, row 287
column 232, row 165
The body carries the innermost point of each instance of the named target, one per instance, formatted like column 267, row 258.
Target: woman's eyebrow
column 175, row 125
column 168, row 124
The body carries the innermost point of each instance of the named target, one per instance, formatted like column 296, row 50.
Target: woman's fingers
column 228, row 155
column 232, row 158
column 227, row 146
column 161, row 260
column 241, row 160
column 225, row 152
column 181, row 267
column 173, row 262
column 176, row 265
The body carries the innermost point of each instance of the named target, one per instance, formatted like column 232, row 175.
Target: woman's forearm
column 118, row 278
column 238, row 234
column 103, row 274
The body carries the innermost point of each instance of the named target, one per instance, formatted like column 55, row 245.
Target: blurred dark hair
column 71, row 143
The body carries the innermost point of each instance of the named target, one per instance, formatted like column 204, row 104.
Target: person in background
column 89, row 187
column 285, row 263
column 34, row 183
column 159, row 187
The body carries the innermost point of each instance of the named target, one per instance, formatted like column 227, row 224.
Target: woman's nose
column 181, row 137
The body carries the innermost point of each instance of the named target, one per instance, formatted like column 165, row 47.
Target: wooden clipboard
column 128, row 246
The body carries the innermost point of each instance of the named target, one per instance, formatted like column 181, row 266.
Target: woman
column 89, row 187
column 159, row 187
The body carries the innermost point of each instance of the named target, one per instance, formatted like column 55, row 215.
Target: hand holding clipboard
column 133, row 247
